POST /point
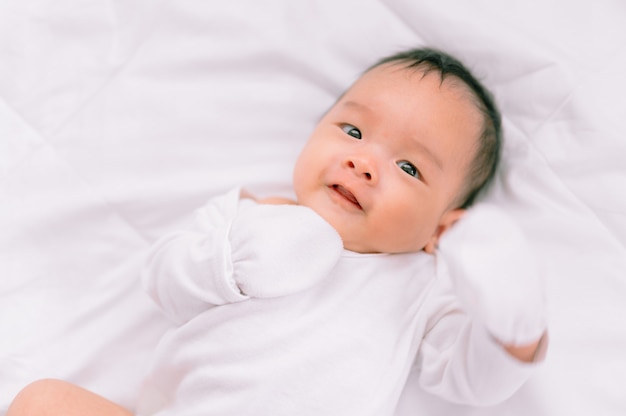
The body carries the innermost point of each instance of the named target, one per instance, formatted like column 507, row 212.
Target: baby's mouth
column 347, row 195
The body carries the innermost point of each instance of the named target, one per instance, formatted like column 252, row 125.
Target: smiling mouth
column 347, row 195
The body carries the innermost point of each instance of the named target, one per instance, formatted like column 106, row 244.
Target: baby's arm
column 58, row 398
column 497, row 278
column 490, row 325
column 238, row 249
column 189, row 270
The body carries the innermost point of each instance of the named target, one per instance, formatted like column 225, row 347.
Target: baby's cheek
column 408, row 235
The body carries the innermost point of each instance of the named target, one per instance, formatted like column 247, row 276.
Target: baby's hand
column 281, row 249
column 496, row 275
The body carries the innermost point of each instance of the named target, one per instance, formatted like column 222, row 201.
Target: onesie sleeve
column 235, row 249
column 189, row 270
column 461, row 362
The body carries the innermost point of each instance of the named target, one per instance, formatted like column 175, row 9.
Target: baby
column 331, row 301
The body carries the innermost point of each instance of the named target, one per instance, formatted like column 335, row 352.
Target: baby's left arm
column 489, row 324
column 497, row 279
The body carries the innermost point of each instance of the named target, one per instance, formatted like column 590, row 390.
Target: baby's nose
column 362, row 166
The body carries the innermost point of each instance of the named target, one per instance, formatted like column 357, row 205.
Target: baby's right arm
column 190, row 270
column 236, row 249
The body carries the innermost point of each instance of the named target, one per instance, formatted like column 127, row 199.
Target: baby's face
column 386, row 163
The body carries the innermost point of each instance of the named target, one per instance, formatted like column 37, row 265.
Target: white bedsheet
column 117, row 118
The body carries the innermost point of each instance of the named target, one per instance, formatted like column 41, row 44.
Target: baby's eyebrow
column 357, row 106
column 428, row 153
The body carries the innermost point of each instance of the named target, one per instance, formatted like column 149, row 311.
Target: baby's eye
column 409, row 168
column 352, row 131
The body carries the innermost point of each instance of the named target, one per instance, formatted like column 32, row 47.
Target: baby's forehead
column 400, row 82
column 397, row 82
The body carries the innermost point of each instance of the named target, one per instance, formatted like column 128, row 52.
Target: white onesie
column 306, row 327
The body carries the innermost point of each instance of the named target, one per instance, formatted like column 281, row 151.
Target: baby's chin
column 363, row 246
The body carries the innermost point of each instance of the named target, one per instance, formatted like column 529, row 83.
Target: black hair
column 483, row 168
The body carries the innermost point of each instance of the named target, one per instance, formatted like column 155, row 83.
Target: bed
column 118, row 118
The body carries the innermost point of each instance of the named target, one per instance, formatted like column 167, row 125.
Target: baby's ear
column 447, row 220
